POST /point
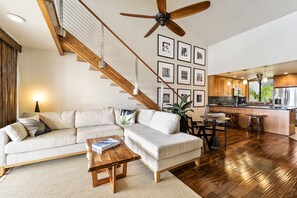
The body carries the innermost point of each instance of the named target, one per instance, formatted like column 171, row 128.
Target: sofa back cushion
column 85, row 118
column 165, row 122
column 55, row 120
column 144, row 116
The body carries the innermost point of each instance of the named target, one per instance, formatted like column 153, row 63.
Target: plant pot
column 183, row 125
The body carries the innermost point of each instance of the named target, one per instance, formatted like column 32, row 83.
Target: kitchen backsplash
column 221, row 100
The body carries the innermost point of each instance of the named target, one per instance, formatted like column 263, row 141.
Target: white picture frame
column 199, row 77
column 184, row 51
column 184, row 75
column 182, row 92
column 166, row 72
column 198, row 98
column 165, row 46
column 199, row 56
column 168, row 97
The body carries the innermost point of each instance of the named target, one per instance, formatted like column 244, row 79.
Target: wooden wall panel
column 8, row 76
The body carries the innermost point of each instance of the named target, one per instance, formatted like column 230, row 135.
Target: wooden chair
column 198, row 129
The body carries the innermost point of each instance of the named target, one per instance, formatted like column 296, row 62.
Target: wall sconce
column 37, row 98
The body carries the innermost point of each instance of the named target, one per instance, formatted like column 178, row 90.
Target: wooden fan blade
column 189, row 10
column 137, row 15
column 162, row 6
column 152, row 30
column 175, row 28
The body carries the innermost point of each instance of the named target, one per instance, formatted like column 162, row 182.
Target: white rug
column 68, row 177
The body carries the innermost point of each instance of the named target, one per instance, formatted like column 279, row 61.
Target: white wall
column 65, row 84
column 271, row 43
column 132, row 31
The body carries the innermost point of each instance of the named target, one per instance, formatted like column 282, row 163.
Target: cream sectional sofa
column 155, row 137
column 70, row 129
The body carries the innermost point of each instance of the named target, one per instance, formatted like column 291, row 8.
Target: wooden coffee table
column 108, row 161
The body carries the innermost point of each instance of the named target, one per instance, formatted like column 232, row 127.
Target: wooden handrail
column 128, row 47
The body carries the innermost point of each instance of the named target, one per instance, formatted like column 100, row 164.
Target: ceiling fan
column 164, row 18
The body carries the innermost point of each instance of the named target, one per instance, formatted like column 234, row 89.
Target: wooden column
column 8, row 77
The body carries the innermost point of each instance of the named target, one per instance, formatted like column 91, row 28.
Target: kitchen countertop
column 254, row 107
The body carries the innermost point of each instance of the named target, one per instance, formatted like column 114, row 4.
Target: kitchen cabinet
column 218, row 86
column 289, row 80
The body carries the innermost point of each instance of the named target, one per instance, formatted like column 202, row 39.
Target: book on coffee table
column 105, row 144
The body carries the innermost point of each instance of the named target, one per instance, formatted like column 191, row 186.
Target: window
column 266, row 94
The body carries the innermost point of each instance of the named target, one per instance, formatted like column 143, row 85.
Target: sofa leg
column 197, row 162
column 2, row 171
column 157, row 176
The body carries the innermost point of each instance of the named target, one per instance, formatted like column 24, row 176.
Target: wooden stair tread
column 104, row 77
column 123, row 91
column 79, row 59
column 131, row 98
column 114, row 84
column 91, row 68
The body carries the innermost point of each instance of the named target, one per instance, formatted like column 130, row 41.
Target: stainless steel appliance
column 285, row 97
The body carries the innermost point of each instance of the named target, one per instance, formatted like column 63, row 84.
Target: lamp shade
column 264, row 79
column 245, row 82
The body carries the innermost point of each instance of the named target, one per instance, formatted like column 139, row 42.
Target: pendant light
column 265, row 79
column 245, row 82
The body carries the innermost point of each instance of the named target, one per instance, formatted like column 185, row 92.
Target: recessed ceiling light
column 286, row 73
column 242, row 77
column 234, row 76
column 16, row 18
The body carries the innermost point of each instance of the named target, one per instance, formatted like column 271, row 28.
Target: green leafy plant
column 181, row 108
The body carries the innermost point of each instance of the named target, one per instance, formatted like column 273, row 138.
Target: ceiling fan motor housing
column 162, row 19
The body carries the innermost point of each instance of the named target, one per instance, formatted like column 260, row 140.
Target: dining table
column 214, row 141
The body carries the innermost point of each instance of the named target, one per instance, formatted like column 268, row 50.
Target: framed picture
column 183, row 75
column 165, row 46
column 166, row 71
column 167, row 97
column 182, row 93
column 199, row 77
column 199, row 56
column 198, row 98
column 184, row 51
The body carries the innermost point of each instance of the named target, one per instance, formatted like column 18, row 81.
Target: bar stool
column 256, row 121
column 234, row 120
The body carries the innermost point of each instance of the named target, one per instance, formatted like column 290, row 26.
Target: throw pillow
column 125, row 116
column 16, row 132
column 35, row 126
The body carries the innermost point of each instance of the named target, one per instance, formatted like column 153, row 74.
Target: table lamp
column 36, row 99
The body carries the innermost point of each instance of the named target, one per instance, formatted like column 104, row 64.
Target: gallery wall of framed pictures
column 185, row 61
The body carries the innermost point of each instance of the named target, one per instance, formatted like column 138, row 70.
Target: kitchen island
column 279, row 120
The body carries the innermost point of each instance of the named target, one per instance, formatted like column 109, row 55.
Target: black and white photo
column 199, row 77
column 166, row 71
column 182, row 93
column 199, row 56
column 198, row 98
column 165, row 46
column 183, row 75
column 167, row 97
column 184, row 51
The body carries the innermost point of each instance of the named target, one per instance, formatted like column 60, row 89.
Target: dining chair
column 197, row 128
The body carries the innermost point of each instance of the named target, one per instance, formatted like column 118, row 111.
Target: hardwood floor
column 264, row 166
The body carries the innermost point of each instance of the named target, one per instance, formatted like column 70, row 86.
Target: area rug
column 68, row 177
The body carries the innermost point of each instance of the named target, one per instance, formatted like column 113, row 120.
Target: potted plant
column 181, row 109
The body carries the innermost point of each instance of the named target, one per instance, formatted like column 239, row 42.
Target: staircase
column 94, row 42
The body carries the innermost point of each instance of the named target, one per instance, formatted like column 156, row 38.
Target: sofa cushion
column 160, row 145
column 84, row 133
column 144, row 116
column 165, row 122
column 124, row 116
column 56, row 120
column 86, row 118
column 49, row 140
column 16, row 132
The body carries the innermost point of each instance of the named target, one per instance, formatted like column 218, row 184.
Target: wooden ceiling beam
column 10, row 41
column 48, row 11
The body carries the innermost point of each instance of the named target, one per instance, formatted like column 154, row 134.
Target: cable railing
column 77, row 19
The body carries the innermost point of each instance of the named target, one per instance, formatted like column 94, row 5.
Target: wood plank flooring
column 254, row 166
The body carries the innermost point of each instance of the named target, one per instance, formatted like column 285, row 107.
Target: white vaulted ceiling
column 224, row 18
